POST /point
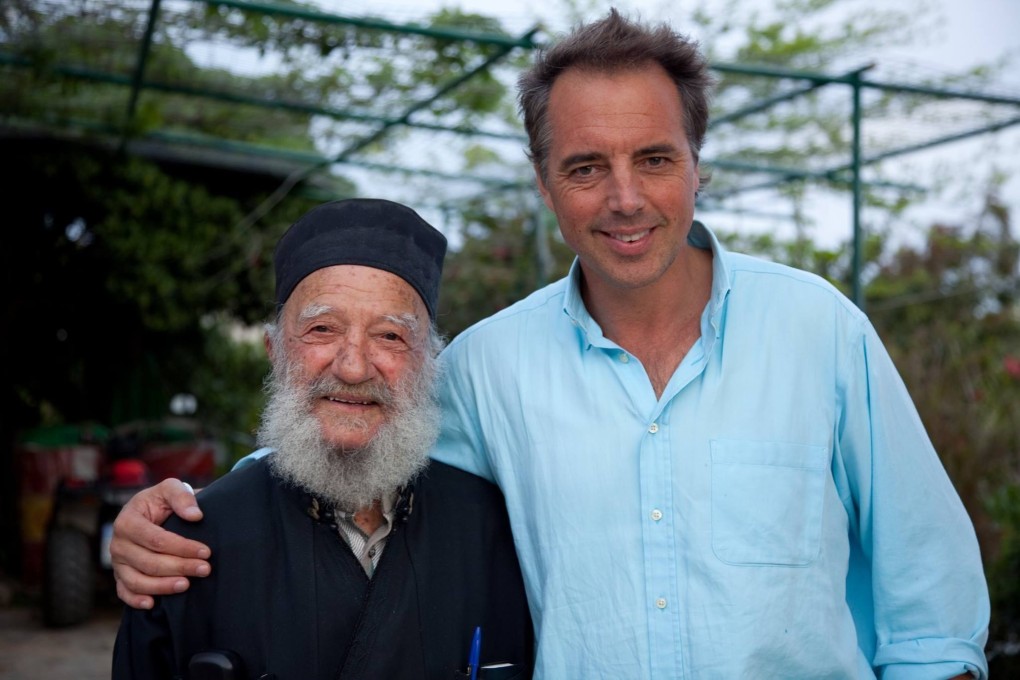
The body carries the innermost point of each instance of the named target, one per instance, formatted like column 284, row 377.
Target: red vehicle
column 90, row 483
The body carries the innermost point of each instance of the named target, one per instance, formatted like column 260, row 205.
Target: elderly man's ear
column 268, row 342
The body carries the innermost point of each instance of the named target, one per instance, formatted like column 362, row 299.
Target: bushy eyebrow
column 578, row 159
column 313, row 310
column 657, row 150
column 406, row 320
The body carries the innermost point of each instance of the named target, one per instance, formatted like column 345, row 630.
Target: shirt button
column 656, row 514
column 624, row 358
column 661, row 603
column 653, row 428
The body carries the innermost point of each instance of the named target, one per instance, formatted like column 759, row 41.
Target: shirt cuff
column 914, row 659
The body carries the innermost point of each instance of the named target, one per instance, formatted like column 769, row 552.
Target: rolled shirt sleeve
column 928, row 593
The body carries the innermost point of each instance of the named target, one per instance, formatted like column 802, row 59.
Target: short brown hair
column 615, row 44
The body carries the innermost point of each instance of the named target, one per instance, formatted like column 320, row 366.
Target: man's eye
column 656, row 161
column 584, row 171
column 392, row 337
column 320, row 329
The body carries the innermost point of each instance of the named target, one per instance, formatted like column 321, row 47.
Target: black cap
column 365, row 231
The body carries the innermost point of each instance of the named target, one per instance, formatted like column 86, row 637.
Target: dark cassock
column 287, row 598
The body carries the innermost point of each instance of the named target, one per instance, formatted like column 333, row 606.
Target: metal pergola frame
column 309, row 163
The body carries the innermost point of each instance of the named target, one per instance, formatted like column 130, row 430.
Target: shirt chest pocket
column 767, row 502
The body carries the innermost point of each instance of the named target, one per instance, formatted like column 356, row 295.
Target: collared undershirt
column 368, row 549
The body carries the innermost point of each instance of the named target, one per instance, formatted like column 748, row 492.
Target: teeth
column 630, row 238
column 348, row 401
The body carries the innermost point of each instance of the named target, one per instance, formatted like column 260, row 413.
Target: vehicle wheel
column 68, row 577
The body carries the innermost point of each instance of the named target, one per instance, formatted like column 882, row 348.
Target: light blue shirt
column 778, row 513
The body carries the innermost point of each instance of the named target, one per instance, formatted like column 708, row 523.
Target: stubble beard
column 349, row 478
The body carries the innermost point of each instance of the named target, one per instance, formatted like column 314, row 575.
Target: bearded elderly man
column 345, row 553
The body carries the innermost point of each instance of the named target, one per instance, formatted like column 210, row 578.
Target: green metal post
column 143, row 58
column 80, row 73
column 441, row 91
column 308, row 14
column 855, row 169
column 300, row 175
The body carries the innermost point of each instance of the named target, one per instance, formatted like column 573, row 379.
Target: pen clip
column 475, row 654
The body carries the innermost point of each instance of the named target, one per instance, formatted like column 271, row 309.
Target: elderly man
column 344, row 553
column 711, row 465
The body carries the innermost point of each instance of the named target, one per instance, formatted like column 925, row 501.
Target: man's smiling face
column 620, row 176
column 356, row 335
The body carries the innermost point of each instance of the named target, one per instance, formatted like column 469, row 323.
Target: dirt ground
column 29, row 651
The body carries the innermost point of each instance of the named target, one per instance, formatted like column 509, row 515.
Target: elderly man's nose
column 352, row 363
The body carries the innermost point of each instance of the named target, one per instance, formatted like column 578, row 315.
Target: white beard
column 350, row 479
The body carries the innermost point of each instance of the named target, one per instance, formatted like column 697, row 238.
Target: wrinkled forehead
column 356, row 291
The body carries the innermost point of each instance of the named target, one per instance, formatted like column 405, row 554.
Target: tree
column 132, row 260
column 166, row 249
column 505, row 254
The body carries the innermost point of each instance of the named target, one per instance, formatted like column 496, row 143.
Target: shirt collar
column 699, row 236
column 388, row 505
column 573, row 307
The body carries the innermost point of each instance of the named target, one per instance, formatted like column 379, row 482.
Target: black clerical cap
column 365, row 231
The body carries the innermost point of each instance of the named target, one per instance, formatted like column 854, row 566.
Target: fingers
column 135, row 589
column 160, row 553
column 147, row 559
column 169, row 496
column 137, row 525
column 181, row 499
column 132, row 599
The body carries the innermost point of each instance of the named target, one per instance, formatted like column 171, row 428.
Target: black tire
column 68, row 578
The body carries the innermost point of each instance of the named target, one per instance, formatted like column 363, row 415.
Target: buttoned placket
column 658, row 517
column 663, row 568
column 657, row 523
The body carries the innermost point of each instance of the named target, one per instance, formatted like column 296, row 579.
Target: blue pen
column 476, row 652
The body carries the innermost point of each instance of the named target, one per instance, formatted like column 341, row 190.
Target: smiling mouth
column 630, row 238
column 352, row 402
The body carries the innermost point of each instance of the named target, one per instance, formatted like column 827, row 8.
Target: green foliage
column 228, row 383
column 1004, row 507
column 948, row 313
column 164, row 254
column 833, row 265
column 500, row 261
column 120, row 264
column 356, row 72
column 104, row 44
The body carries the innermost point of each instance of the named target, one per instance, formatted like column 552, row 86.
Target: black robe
column 289, row 598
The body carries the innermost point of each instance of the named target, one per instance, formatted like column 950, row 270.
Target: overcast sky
column 971, row 31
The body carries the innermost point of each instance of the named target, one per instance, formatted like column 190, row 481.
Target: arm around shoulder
column 148, row 560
